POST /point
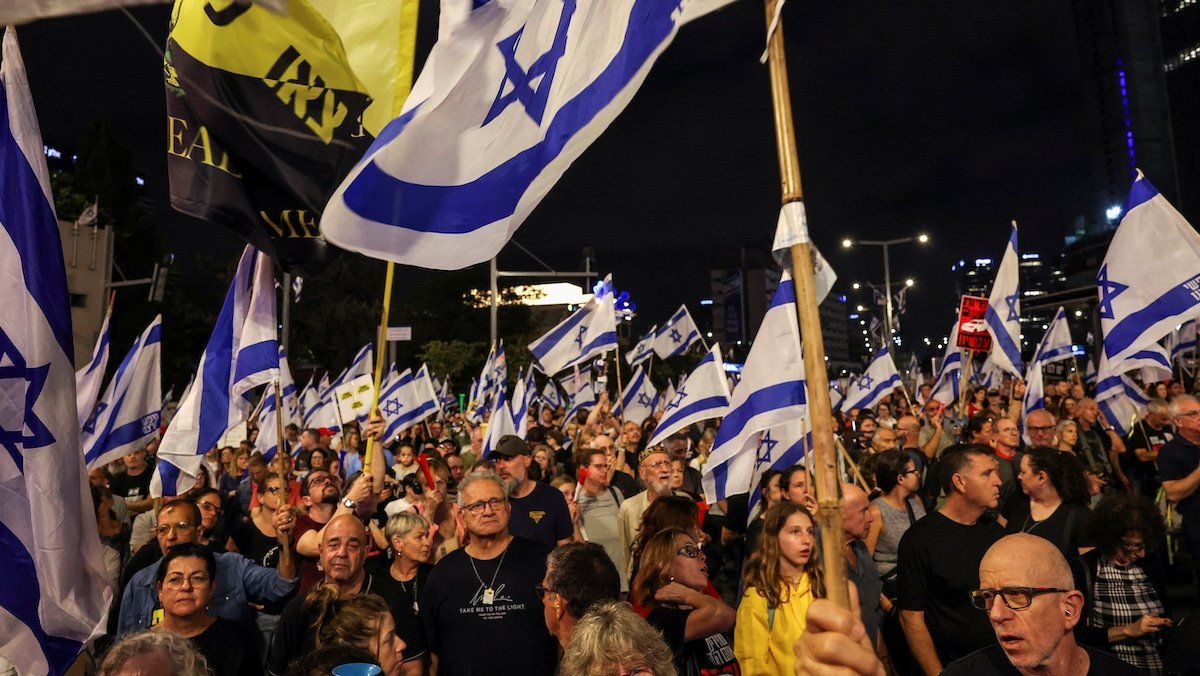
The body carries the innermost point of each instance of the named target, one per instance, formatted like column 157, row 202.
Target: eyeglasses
column 1133, row 547
column 181, row 527
column 1016, row 598
column 1188, row 414
column 659, row 465
column 690, row 551
column 176, row 582
column 476, row 508
column 541, row 590
column 909, row 471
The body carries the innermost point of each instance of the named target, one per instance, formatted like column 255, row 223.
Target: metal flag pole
column 829, row 489
column 380, row 342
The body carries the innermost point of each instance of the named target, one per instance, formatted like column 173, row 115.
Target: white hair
column 1181, row 399
column 476, row 477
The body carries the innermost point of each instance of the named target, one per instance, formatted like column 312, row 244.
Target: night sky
column 949, row 118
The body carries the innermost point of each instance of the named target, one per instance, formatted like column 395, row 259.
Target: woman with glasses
column 782, row 578
column 185, row 582
column 892, row 514
column 1124, row 589
column 1054, row 505
column 670, row 581
column 208, row 500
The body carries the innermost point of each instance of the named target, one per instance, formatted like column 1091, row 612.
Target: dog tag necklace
column 489, row 591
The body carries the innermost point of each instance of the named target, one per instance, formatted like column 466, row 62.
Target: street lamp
column 856, row 286
column 909, row 282
column 887, row 271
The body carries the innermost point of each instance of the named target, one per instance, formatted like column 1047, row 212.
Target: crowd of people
column 975, row 541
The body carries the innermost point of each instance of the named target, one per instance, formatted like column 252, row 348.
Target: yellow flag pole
column 279, row 439
column 380, row 345
column 829, row 488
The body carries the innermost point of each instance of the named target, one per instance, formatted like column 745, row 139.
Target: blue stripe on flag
column 786, row 293
column 694, row 407
column 552, row 339
column 1173, row 303
column 256, row 358
column 168, row 475
column 24, row 219
column 458, row 209
column 1139, row 193
column 879, row 390
column 774, row 397
column 792, row 456
column 606, row 338
column 20, row 594
column 1002, row 338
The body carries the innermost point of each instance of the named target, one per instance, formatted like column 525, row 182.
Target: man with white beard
column 539, row 512
column 654, row 469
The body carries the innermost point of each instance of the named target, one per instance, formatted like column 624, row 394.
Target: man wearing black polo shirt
column 539, row 512
column 939, row 561
column 1179, row 470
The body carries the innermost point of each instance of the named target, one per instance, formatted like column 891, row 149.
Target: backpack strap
column 615, row 494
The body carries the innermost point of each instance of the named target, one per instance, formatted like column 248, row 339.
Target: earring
column 1069, row 613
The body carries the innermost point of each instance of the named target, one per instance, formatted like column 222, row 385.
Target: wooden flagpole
column 829, row 488
column 279, row 439
column 380, row 345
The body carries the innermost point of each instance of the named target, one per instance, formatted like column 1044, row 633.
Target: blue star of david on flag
column 675, row 336
column 1014, row 315
column 766, row 446
column 90, row 425
column 866, row 382
column 392, row 407
column 1109, row 290
column 580, row 335
column 34, row 379
column 679, row 395
column 643, row 399
column 531, row 96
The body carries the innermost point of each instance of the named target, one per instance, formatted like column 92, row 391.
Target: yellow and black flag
column 264, row 119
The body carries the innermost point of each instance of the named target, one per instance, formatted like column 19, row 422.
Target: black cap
column 510, row 446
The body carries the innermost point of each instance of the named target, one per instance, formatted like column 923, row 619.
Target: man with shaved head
column 343, row 550
column 1027, row 591
column 860, row 567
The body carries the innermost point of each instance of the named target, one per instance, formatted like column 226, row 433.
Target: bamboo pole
column 829, row 490
column 853, row 467
column 281, row 448
column 380, row 343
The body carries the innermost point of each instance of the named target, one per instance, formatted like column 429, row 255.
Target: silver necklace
column 489, row 592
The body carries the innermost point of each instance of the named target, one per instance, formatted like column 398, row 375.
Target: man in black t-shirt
column 1148, row 436
column 539, row 512
column 1099, row 446
column 1029, row 596
column 939, row 561
column 487, row 592
column 134, row 484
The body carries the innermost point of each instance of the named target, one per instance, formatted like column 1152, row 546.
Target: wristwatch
column 348, row 503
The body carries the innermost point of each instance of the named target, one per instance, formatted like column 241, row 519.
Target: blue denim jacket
column 237, row 578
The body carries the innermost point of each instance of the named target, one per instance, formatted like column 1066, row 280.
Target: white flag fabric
column 945, row 385
column 362, row 364
column 308, row 398
column 1183, row 341
column 551, row 396
column 89, row 379
column 878, row 381
column 835, row 398
column 354, row 398
column 242, row 353
column 1149, row 282
column 504, row 105
column 677, row 335
column 582, row 397
column 1122, row 402
column 643, row 350
column 637, row 401
column 287, row 387
column 792, row 228
column 1003, row 317
column 523, row 393
column 589, row 331
column 772, row 392
column 406, row 400
column 54, row 592
column 267, row 441
column 128, row 416
column 1055, row 346
column 705, row 395
column 499, row 424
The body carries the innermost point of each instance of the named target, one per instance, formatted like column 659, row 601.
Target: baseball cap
column 510, row 446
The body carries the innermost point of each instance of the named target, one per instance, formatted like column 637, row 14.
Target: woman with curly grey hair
column 154, row 652
column 612, row 639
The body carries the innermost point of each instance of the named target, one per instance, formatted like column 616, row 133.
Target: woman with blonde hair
column 670, row 582
column 362, row 621
column 612, row 639
column 411, row 540
column 783, row 577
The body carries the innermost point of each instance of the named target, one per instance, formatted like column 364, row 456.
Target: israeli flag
column 706, row 395
column 1182, row 341
column 89, row 378
column 878, row 381
column 499, row 368
column 1149, row 282
column 128, row 416
column 523, row 394
column 54, row 592
column 771, row 393
column 584, row 397
column 242, row 354
column 1055, row 346
column 499, row 424
column 407, row 399
column 509, row 97
column 1003, row 317
column 308, row 398
column 637, row 401
column 643, row 350
column 552, row 397
column 287, row 389
column 1122, row 402
column 945, row 385
column 590, row 331
column 776, row 448
column 267, row 441
column 446, row 397
column 667, row 397
column 677, row 335
column 990, row 374
column 363, row 364
column 835, row 398
column 915, row 377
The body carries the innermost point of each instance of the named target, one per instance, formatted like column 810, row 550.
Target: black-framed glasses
column 541, row 590
column 1016, row 598
column 476, row 508
column 690, row 551
column 1133, row 547
column 909, row 471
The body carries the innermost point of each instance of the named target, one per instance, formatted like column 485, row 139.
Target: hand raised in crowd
column 360, row 491
column 284, row 520
column 835, row 642
column 376, row 426
column 675, row 593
